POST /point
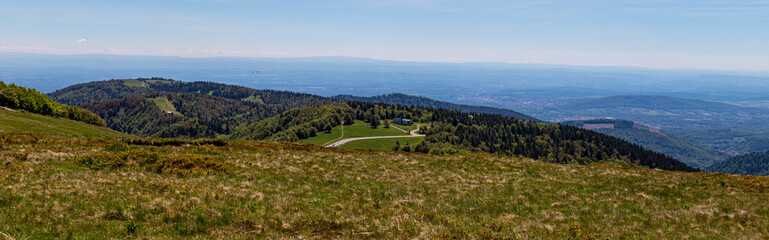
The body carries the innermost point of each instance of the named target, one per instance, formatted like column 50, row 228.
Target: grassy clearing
column 18, row 121
column 382, row 144
column 165, row 105
column 253, row 98
column 285, row 190
column 158, row 81
column 134, row 83
column 407, row 127
column 357, row 129
column 323, row 138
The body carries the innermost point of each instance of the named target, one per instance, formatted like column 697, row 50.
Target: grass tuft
column 183, row 164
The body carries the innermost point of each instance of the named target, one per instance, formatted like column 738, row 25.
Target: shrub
column 131, row 227
column 18, row 138
column 183, row 164
column 175, row 142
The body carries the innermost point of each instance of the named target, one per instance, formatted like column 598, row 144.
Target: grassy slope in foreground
column 17, row 121
column 285, row 190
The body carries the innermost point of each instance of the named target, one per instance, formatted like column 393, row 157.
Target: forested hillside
column 199, row 115
column 299, row 123
column 453, row 131
column 403, row 99
column 652, row 139
column 31, row 100
column 748, row 164
column 195, row 109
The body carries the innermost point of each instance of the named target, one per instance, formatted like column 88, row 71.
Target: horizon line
column 633, row 67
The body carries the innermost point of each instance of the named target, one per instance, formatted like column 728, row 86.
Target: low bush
column 175, row 142
column 183, row 164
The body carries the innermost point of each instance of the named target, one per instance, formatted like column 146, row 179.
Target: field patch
column 17, row 121
column 383, row 143
column 134, row 83
column 165, row 105
column 357, row 129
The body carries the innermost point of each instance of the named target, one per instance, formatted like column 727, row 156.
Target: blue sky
column 731, row 35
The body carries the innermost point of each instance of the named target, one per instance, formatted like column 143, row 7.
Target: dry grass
column 286, row 190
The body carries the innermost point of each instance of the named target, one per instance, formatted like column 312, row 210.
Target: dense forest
column 200, row 115
column 747, row 164
column 403, row 99
column 453, row 131
column 299, row 123
column 205, row 109
column 31, row 100
column 681, row 149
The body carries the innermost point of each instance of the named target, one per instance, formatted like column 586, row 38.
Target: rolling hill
column 747, row 164
column 168, row 114
column 17, row 121
column 205, row 109
column 655, row 140
column 27, row 110
column 165, row 108
column 113, row 89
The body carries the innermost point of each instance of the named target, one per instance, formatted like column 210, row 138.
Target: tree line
column 31, row 100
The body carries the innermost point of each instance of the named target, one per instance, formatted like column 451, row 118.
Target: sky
column 705, row 34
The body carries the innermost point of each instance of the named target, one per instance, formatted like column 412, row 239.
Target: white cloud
column 82, row 40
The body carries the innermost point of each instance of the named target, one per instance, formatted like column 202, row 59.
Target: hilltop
column 119, row 88
column 652, row 139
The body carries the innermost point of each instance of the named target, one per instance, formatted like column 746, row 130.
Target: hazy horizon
column 708, row 35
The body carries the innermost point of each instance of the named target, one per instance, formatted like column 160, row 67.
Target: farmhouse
column 403, row 121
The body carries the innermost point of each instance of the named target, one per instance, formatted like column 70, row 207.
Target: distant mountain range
column 748, row 164
column 403, row 99
column 685, row 151
column 728, row 128
column 653, row 102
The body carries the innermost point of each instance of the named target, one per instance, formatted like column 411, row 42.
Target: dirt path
column 343, row 141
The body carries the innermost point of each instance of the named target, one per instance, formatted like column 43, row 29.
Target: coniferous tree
column 374, row 121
